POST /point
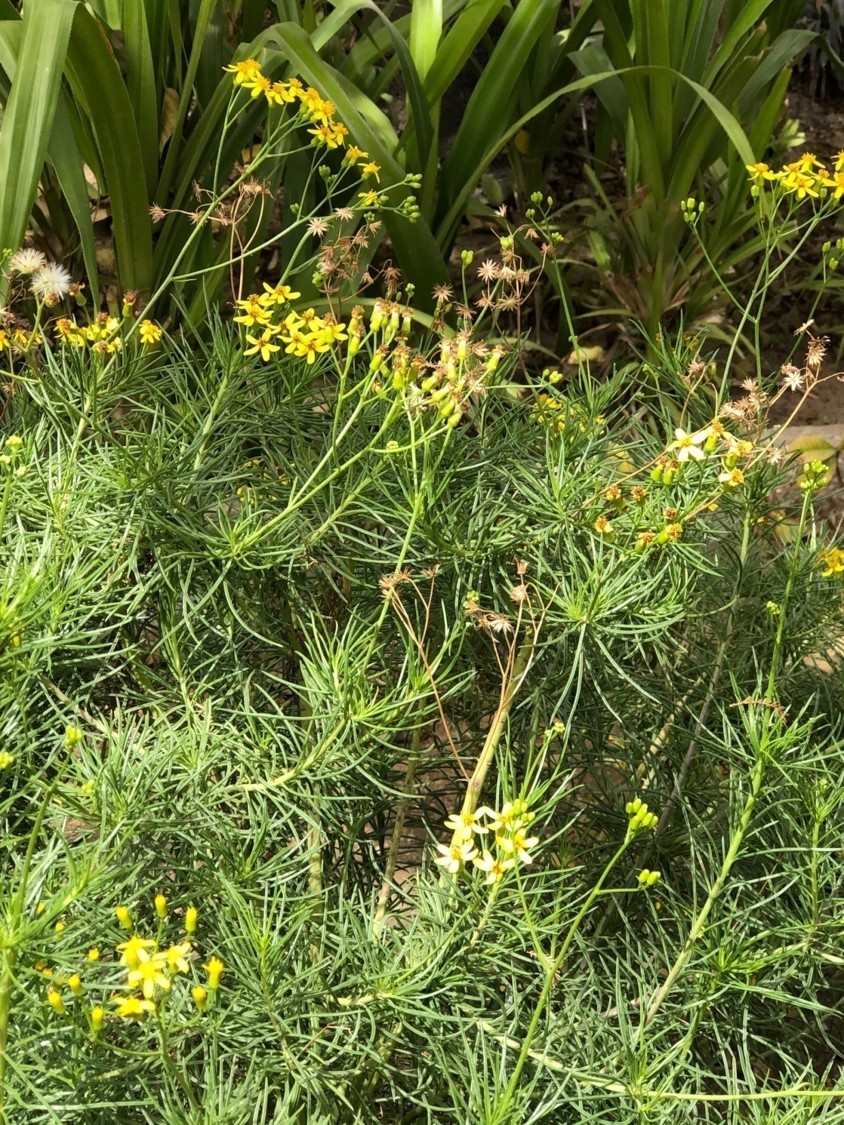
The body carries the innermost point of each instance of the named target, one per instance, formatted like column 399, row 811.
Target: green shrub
column 267, row 625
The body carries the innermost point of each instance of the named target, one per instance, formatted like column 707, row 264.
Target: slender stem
column 487, row 755
column 550, row 978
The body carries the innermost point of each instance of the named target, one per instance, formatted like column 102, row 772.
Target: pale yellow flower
column 453, row 857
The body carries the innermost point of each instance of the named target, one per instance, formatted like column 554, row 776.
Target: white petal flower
column 51, row 282
column 688, row 445
column 26, row 261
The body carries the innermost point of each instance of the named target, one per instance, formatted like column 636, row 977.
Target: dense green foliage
column 290, row 611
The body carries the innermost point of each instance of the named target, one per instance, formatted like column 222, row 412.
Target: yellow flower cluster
column 312, row 107
column 712, row 443
column 508, row 830
column 832, row 560
column 300, row 334
column 151, row 970
column 19, row 340
column 445, row 383
column 805, row 178
column 103, row 333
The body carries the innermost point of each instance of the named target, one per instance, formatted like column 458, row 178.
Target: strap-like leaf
column 28, row 119
column 101, row 94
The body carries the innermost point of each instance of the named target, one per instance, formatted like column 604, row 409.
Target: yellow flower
column 161, row 906
column 258, row 84
column 277, row 294
column 75, row 985
column 93, row 954
column 454, row 856
column 215, row 969
column 148, row 974
column 495, row 868
column 253, row 311
column 134, row 950
column 833, row 561
column 132, row 1007
column 150, row 333
column 331, row 333
column 331, row 134
column 244, row 71
column 200, row 997
column 761, row 172
column 801, row 184
column 97, row 1017
column 262, row 344
column 59, row 926
column 282, row 93
column 370, row 198
column 306, row 345
column 371, row 169
column 177, row 957
column 191, row 915
column 315, row 106
column 56, row 1002
column 732, row 478
column 353, row 154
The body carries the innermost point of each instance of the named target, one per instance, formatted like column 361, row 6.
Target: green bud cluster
column 815, row 476
column 648, row 878
column 640, row 815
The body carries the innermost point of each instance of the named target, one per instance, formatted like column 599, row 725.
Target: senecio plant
column 390, row 733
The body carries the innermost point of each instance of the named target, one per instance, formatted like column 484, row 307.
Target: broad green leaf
column 426, row 28
column 140, row 84
column 30, row 110
column 493, row 99
column 63, row 154
column 99, row 89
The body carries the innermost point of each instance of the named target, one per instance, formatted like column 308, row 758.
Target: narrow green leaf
column 171, row 161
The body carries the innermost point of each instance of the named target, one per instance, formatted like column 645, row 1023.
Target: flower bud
column 56, row 1002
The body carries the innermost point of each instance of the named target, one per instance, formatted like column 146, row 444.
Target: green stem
column 755, row 786
column 487, row 755
column 551, row 971
column 700, row 922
